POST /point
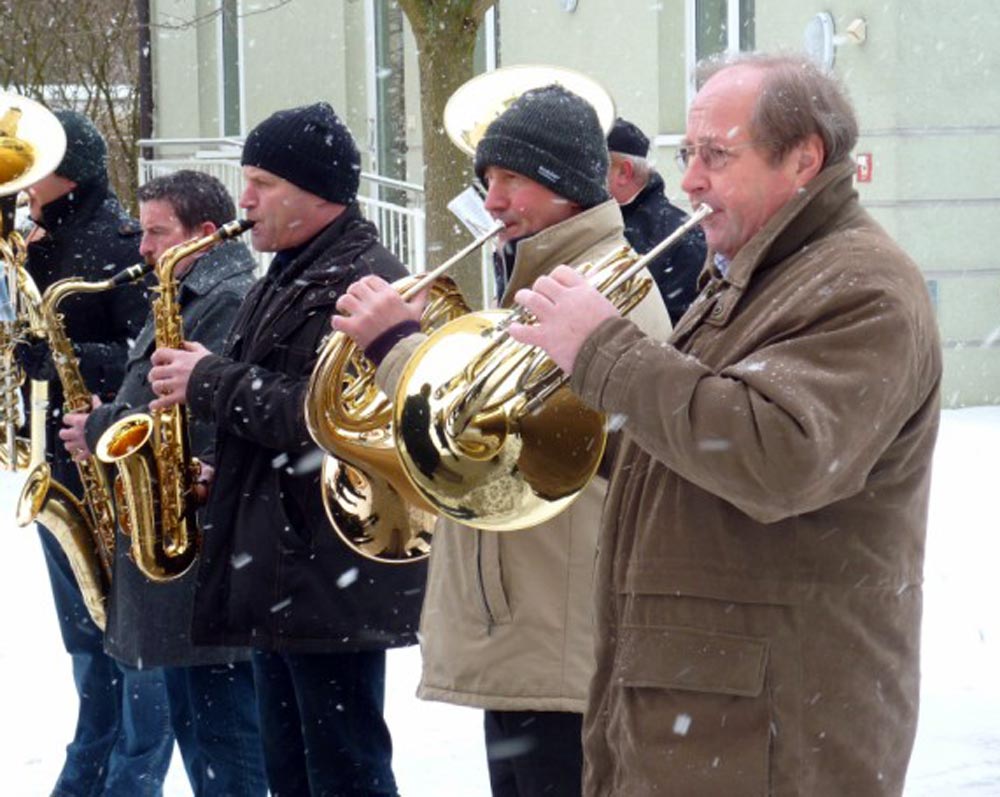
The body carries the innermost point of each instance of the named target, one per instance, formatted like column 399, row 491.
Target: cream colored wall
column 296, row 54
column 176, row 71
column 293, row 54
column 924, row 84
column 593, row 40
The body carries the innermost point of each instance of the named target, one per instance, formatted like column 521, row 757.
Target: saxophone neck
column 169, row 260
column 60, row 289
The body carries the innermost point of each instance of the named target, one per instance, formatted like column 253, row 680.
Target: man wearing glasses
column 760, row 565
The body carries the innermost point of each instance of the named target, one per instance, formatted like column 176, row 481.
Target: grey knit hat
column 86, row 156
column 553, row 137
column 310, row 147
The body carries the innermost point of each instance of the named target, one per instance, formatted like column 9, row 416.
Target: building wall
column 925, row 85
column 292, row 54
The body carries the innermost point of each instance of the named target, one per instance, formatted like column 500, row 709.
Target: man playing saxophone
column 271, row 575
column 210, row 694
column 81, row 231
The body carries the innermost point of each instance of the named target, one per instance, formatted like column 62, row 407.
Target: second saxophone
column 156, row 472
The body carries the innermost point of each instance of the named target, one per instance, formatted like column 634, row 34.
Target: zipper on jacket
column 490, row 620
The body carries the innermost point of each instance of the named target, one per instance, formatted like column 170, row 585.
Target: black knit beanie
column 310, row 147
column 553, row 137
column 627, row 139
column 86, row 156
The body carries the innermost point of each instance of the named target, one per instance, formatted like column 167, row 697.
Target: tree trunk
column 446, row 38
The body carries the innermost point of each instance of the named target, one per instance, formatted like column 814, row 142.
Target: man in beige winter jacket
column 759, row 587
column 507, row 624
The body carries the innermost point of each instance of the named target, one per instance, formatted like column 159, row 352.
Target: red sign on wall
column 865, row 166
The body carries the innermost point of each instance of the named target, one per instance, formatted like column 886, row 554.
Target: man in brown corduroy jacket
column 761, row 552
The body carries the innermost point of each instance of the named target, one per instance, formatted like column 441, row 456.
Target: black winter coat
column 88, row 236
column 649, row 218
column 273, row 575
column 149, row 624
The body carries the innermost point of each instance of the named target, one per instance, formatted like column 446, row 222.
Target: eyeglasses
column 714, row 156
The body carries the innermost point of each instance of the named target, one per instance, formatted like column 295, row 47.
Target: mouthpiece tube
column 234, row 228
column 131, row 274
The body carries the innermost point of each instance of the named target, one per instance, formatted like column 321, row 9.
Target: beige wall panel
column 970, row 377
column 614, row 42
column 177, row 70
column 294, row 54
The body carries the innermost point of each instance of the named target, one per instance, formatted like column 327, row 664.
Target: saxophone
column 156, row 473
column 21, row 321
column 84, row 529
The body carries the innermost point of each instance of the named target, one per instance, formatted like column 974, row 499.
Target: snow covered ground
column 439, row 750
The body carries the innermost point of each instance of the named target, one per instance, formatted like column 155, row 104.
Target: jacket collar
column 654, row 185
column 217, row 265
column 297, row 262
column 792, row 226
column 565, row 242
column 77, row 204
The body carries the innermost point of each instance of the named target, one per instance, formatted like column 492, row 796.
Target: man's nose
column 695, row 177
column 495, row 199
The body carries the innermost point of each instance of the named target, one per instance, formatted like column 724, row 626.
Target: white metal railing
column 401, row 227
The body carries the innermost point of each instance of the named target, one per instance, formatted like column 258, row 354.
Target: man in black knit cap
column 82, row 231
column 650, row 217
column 507, row 624
column 273, row 576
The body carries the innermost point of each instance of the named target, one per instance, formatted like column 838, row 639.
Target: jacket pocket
column 489, row 574
column 692, row 716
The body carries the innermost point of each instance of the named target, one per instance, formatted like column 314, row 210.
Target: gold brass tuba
column 501, row 443
column 32, row 143
column 495, row 444
column 156, row 473
column 87, row 528
column 369, row 502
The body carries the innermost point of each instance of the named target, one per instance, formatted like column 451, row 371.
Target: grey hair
column 641, row 167
column 797, row 99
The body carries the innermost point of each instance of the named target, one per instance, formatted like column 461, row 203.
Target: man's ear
column 810, row 158
column 628, row 170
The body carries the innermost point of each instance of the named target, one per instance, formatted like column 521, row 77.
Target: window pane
column 747, row 37
column 710, row 27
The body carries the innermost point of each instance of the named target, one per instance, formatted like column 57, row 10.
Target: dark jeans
column 322, row 725
column 98, row 685
column 534, row 753
column 141, row 757
column 214, row 717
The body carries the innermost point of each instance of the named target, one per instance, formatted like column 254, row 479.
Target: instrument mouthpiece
column 234, row 228
column 131, row 274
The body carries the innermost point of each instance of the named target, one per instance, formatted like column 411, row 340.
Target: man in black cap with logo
column 82, row 231
column 273, row 576
column 650, row 217
column 507, row 624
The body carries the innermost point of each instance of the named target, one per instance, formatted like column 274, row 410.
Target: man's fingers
column 534, row 301
column 348, row 304
column 566, row 276
column 529, row 334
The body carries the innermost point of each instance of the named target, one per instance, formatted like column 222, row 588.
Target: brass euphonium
column 32, row 143
column 156, row 473
column 85, row 529
column 501, row 443
column 369, row 502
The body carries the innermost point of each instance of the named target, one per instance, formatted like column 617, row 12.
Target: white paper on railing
column 468, row 207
